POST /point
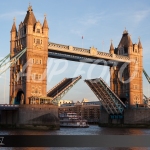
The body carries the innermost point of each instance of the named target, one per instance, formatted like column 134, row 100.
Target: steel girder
column 83, row 59
column 146, row 75
column 109, row 100
column 64, row 90
column 6, row 64
column 146, row 100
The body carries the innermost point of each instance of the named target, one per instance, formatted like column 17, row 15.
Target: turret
column 45, row 27
column 139, row 44
column 13, row 33
column 14, row 29
column 29, row 20
column 125, row 45
column 111, row 50
column 140, row 47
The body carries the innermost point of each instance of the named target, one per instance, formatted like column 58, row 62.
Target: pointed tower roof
column 129, row 41
column 125, row 40
column 111, row 46
column 45, row 24
column 29, row 18
column 14, row 29
column 139, row 44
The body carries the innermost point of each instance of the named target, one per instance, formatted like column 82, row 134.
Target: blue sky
column 97, row 21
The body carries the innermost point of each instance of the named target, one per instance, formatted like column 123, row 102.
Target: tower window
column 37, row 41
column 37, row 30
column 125, row 50
column 36, row 61
column 40, row 76
column 36, row 77
column 40, row 61
column 135, row 87
column 24, row 29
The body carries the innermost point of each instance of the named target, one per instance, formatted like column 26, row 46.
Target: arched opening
column 20, row 98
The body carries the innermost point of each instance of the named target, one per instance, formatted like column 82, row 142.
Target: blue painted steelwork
column 119, row 104
column 6, row 64
column 116, row 116
column 109, row 100
column 146, row 75
column 58, row 91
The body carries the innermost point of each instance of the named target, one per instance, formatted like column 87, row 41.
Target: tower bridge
column 33, row 36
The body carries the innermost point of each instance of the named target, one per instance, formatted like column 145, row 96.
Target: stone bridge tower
column 127, row 82
column 28, row 76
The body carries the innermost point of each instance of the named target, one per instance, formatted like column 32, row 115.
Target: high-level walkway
column 58, row 91
column 109, row 100
column 91, row 55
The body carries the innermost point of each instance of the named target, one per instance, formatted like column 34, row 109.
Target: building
column 65, row 102
column 87, row 110
column 28, row 78
column 126, row 81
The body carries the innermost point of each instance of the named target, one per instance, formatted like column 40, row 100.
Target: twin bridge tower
column 28, row 77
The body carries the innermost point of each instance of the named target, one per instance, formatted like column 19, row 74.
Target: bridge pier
column 8, row 118
column 29, row 116
column 132, row 117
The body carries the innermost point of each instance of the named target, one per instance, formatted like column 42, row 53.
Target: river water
column 92, row 130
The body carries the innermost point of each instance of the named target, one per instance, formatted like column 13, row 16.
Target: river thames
column 92, row 130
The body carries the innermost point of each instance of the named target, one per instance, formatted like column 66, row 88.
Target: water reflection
column 92, row 130
column 76, row 148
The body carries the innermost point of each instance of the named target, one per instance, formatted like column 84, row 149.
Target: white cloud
column 12, row 14
column 77, row 32
column 91, row 19
column 85, row 22
column 140, row 15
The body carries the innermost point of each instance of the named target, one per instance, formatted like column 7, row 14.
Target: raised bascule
column 28, row 75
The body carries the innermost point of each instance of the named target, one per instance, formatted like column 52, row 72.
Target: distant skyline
column 97, row 21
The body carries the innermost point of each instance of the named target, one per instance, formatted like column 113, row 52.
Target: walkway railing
column 92, row 52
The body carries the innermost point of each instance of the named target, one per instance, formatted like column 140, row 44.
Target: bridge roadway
column 58, row 91
column 109, row 100
column 91, row 55
column 8, row 107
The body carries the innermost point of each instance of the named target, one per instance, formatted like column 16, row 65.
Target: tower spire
column 111, row 50
column 14, row 29
column 129, row 41
column 45, row 24
column 111, row 45
column 30, row 18
column 125, row 31
column 139, row 43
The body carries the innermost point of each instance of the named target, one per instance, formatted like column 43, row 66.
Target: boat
column 72, row 120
